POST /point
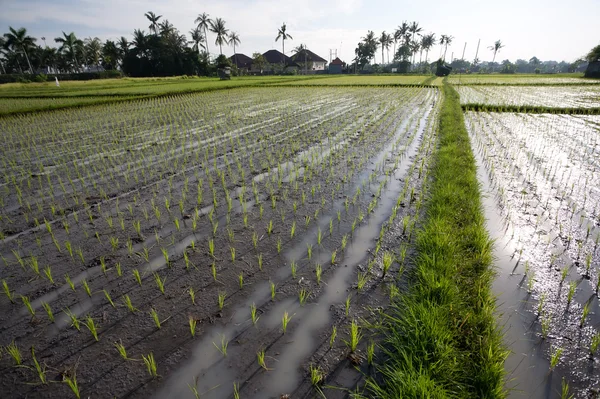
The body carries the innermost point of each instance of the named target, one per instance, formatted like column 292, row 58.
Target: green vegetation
column 441, row 337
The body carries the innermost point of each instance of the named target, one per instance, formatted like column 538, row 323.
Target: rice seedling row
column 177, row 259
column 520, row 79
column 553, row 96
column 543, row 172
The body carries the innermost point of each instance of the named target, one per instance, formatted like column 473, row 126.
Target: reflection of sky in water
column 544, row 176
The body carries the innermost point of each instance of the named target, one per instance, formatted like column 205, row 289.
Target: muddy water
column 527, row 365
column 212, row 373
column 542, row 212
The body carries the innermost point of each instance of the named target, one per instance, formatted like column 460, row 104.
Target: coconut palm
column 371, row 43
column 69, row 44
column 18, row 40
column 93, row 50
column 197, row 39
column 234, row 40
column 153, row 18
column 166, row 28
column 2, row 53
column 400, row 33
column 445, row 41
column 495, row 48
column 283, row 35
column 218, row 27
column 428, row 42
column 204, row 22
column 383, row 41
column 123, row 45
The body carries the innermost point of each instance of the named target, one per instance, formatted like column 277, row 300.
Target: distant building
column 336, row 66
column 315, row 63
column 276, row 61
column 241, row 61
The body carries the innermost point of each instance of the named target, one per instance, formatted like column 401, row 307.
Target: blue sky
column 548, row 29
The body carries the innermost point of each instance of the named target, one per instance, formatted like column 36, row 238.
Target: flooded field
column 212, row 244
column 541, row 176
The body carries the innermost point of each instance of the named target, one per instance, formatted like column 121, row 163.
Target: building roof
column 307, row 55
column 276, row 57
column 337, row 61
column 241, row 60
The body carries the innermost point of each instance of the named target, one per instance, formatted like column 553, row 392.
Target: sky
column 547, row 29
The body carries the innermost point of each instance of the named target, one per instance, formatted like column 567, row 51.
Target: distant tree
column 93, row 50
column 123, row 45
column 594, row 54
column 427, row 43
column 218, row 28
column 69, row 45
column 400, row 33
column 110, row 55
column 370, row 45
column 19, row 40
column 445, row 41
column 301, row 50
column 383, row 42
column 234, row 40
column 204, row 22
column 495, row 48
column 415, row 29
column 197, row 39
column 258, row 61
column 166, row 28
column 153, row 18
column 283, row 35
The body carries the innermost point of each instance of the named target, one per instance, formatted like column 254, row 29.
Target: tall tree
column 2, row 54
column 18, row 39
column 383, row 42
column 400, row 33
column 197, row 39
column 218, row 28
column 166, row 28
column 204, row 22
column 110, row 55
column 93, row 50
column 69, row 44
column 234, row 40
column 123, row 46
column 445, row 41
column 370, row 45
column 153, row 18
column 427, row 42
column 495, row 48
column 283, row 35
column 414, row 29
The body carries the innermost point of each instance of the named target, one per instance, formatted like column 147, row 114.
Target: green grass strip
column 530, row 109
column 441, row 337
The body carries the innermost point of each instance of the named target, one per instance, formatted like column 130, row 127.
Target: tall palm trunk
column 446, row 49
column 27, row 58
column 283, row 48
column 382, row 57
column 206, row 41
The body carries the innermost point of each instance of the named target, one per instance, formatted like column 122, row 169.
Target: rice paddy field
column 173, row 239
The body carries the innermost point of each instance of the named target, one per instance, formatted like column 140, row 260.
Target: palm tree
column 197, row 39
column 399, row 34
column 283, row 35
column 371, row 42
column 166, row 28
column 234, row 40
column 93, row 49
column 495, row 48
column 153, row 18
column 18, row 39
column 204, row 22
column 218, row 27
column 383, row 42
column 302, row 49
column 2, row 50
column 445, row 41
column 414, row 29
column 429, row 42
column 71, row 43
column 123, row 46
